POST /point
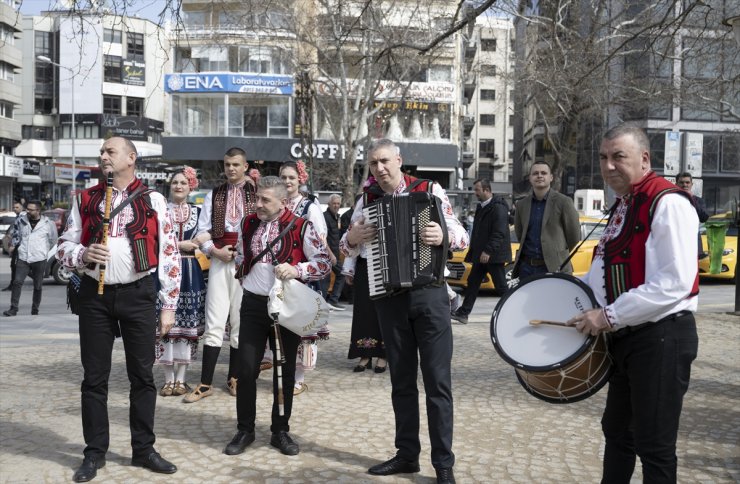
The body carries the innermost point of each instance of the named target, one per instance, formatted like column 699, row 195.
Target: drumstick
column 537, row 322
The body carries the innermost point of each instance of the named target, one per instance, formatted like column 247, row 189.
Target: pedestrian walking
column 33, row 236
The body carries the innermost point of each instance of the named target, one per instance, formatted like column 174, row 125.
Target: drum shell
column 557, row 365
column 583, row 376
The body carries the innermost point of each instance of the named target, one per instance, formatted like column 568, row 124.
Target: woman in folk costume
column 179, row 347
column 294, row 175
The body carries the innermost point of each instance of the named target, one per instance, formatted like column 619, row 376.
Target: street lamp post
column 45, row 59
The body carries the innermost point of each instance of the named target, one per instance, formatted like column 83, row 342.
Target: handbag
column 297, row 308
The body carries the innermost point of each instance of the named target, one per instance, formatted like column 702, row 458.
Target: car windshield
column 597, row 227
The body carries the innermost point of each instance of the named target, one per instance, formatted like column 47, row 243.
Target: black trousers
column 643, row 406
column 255, row 330
column 417, row 332
column 129, row 309
column 22, row 270
column 477, row 273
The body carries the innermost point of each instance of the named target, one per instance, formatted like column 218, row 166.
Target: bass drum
column 554, row 363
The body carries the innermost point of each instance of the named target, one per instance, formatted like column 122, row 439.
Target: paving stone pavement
column 344, row 422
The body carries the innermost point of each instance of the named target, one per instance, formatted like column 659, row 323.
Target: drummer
column 300, row 254
column 648, row 306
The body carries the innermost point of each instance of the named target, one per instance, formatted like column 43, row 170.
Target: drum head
column 553, row 297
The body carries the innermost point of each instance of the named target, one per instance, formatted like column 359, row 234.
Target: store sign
column 437, row 92
column 31, row 167
column 131, row 127
column 243, row 83
column 322, row 151
column 152, row 175
column 133, row 73
column 65, row 173
column 12, row 166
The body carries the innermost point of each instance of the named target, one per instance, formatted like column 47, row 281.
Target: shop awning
column 28, row 179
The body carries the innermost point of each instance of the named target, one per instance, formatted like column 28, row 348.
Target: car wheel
column 60, row 273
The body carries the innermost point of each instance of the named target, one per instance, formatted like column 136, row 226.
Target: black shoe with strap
column 88, row 469
column 396, row 465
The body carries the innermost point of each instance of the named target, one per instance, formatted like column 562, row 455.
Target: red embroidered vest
column 624, row 256
column 289, row 249
column 218, row 214
column 413, row 184
column 142, row 231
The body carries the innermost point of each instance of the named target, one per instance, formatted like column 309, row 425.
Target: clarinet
column 106, row 224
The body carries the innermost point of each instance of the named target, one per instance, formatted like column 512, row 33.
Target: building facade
column 104, row 79
column 235, row 83
column 488, row 132
column 679, row 84
column 11, row 167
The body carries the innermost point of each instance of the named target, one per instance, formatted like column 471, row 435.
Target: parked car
column 58, row 216
column 591, row 230
column 729, row 253
column 6, row 224
column 55, row 269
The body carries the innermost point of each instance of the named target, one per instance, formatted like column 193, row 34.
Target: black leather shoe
column 397, row 465
column 34, row 312
column 282, row 441
column 5, row 289
column 155, row 463
column 240, row 442
column 10, row 312
column 89, row 469
column 445, row 475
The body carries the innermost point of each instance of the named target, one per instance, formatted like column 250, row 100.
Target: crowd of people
column 142, row 280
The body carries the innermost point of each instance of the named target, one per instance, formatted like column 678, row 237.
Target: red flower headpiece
column 302, row 173
column 191, row 176
column 254, row 174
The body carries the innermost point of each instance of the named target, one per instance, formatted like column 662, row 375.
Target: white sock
column 181, row 369
column 169, row 373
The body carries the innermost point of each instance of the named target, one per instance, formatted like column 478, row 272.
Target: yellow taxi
column 729, row 253
column 591, row 230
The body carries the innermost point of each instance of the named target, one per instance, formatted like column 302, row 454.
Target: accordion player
column 397, row 259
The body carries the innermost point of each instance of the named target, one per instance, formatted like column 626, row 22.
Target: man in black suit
column 686, row 182
column 490, row 246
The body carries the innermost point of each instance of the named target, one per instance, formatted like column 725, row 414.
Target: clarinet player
column 414, row 322
column 140, row 239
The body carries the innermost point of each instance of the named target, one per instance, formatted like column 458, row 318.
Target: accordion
column 397, row 259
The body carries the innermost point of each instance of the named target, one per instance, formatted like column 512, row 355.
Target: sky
column 148, row 9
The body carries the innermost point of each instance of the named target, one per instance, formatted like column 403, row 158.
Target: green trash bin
column 716, row 230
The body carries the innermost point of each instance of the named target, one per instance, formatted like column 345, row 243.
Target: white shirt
column 234, row 203
column 670, row 268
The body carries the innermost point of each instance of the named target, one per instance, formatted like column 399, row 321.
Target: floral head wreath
column 254, row 174
column 191, row 176
column 302, row 173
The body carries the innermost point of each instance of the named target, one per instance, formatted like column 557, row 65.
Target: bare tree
column 587, row 61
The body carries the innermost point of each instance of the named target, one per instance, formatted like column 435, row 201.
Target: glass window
column 134, row 106
column 112, row 36
column 657, row 149
column 135, row 46
column 487, row 148
column 710, row 153
column 112, row 69
column 731, row 153
column 488, row 45
column 440, row 73
column 194, row 18
column 111, row 104
column 488, row 94
column 488, row 70
column 6, row 72
column 255, row 120
column 197, row 115
column 6, row 110
column 278, row 120
column 488, row 120
column 211, row 59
